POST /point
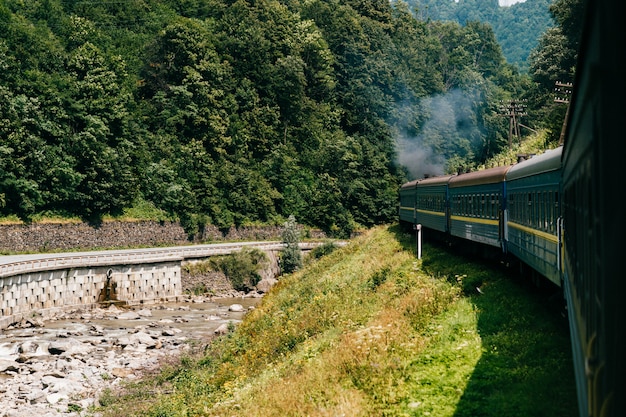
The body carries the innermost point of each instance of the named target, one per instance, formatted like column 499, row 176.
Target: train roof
column 547, row 161
column 410, row 184
column 485, row 176
column 441, row 179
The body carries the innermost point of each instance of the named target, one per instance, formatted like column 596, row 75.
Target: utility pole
column 514, row 109
column 562, row 92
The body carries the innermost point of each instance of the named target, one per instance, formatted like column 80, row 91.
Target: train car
column 594, row 225
column 533, row 190
column 477, row 204
column 432, row 203
column 407, row 208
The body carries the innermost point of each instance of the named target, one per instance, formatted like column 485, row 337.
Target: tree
column 291, row 259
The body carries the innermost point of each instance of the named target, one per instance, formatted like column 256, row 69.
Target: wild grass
column 368, row 330
column 535, row 143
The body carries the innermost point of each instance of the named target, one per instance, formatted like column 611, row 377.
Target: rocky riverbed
column 62, row 366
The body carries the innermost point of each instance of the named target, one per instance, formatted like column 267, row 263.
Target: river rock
column 77, row 355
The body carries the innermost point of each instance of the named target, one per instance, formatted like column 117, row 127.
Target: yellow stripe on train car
column 433, row 213
column 490, row 222
column 547, row 236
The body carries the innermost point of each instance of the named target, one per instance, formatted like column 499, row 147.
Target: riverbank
column 69, row 365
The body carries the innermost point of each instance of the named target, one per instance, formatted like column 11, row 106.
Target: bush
column 242, row 268
column 323, row 250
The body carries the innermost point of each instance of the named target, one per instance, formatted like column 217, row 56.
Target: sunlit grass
column 370, row 331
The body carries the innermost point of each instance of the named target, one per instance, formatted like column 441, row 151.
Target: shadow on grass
column 526, row 365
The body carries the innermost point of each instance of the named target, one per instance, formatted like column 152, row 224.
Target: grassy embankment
column 370, row 331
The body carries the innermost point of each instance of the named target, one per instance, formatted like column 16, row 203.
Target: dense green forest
column 517, row 28
column 236, row 112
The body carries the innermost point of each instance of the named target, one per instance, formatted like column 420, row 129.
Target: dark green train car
column 477, row 204
column 407, row 203
column 594, row 215
column 533, row 220
column 432, row 203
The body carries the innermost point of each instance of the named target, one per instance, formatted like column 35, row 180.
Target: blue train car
column 477, row 204
column 432, row 203
column 594, row 219
column 533, row 221
column 407, row 211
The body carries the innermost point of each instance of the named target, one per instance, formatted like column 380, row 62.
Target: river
column 60, row 367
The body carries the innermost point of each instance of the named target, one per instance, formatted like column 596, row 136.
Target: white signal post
column 418, row 239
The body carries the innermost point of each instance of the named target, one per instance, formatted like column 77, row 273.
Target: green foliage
column 241, row 268
column 291, row 256
column 324, row 249
column 378, row 278
column 228, row 113
column 531, row 18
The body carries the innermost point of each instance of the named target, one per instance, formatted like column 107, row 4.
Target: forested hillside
column 517, row 27
column 234, row 112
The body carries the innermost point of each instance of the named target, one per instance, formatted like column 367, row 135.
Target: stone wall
column 53, row 237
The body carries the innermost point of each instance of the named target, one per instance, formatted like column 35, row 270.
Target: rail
column 19, row 264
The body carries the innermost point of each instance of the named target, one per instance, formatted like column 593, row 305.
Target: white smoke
column 419, row 160
column 449, row 123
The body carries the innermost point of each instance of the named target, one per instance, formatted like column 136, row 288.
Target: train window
column 515, row 206
column 538, row 209
column 529, row 199
column 536, row 219
column 511, row 204
column 548, row 211
column 546, row 208
column 542, row 217
column 464, row 206
column 535, row 210
column 556, row 202
column 483, row 206
column 556, row 207
column 494, row 205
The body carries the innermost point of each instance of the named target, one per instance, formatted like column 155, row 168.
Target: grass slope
column 370, row 331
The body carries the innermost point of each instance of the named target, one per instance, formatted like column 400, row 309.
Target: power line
column 562, row 93
column 514, row 110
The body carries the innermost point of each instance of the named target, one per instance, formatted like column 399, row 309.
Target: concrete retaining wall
column 45, row 292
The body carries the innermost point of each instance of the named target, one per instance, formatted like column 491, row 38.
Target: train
column 511, row 212
column 560, row 214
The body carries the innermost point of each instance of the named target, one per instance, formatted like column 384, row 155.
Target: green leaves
column 226, row 112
